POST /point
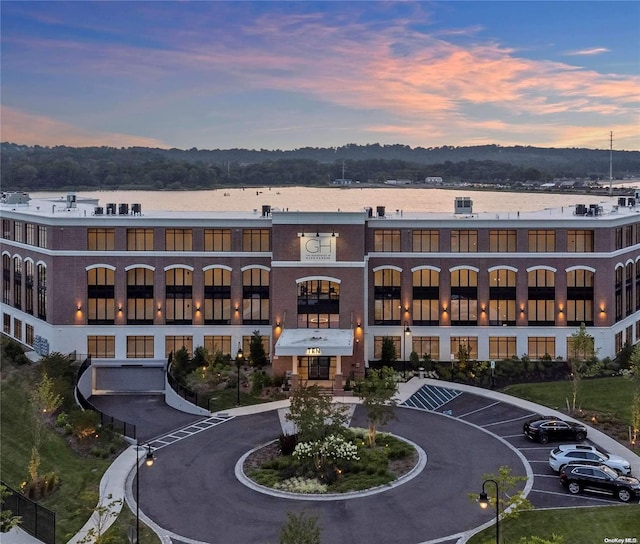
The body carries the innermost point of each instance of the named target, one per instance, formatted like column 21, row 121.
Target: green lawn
column 607, row 395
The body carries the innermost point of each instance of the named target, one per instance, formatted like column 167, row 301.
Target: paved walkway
column 117, row 480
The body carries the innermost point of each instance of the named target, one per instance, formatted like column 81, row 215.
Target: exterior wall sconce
column 406, row 309
column 159, row 308
column 602, row 310
column 198, row 308
column 444, row 309
column 79, row 307
column 560, row 310
column 317, row 234
column 483, row 310
column 407, row 330
column 120, row 309
column 521, row 309
column 333, row 234
column 237, row 309
column 359, row 325
column 278, row 324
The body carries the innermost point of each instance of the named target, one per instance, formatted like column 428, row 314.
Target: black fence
column 117, row 425
column 36, row 520
column 186, row 393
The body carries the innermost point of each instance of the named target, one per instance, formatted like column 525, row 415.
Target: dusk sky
column 285, row 75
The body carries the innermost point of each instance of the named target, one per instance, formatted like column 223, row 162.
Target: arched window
column 318, row 304
column 542, row 297
column 217, row 296
column 178, row 296
column 100, row 296
column 140, row 296
column 580, row 297
column 464, row 297
column 255, row 296
column 28, row 281
column 502, row 297
column 386, row 292
column 17, row 282
column 42, row 291
column 426, row 297
column 6, row 279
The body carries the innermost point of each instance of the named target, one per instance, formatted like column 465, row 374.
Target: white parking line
column 587, row 497
column 478, row 410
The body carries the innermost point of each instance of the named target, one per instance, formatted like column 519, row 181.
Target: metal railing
column 38, row 521
column 117, row 425
column 187, row 394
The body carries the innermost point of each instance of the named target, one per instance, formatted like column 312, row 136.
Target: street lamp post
column 148, row 461
column 407, row 332
column 453, row 358
column 483, row 500
column 239, row 357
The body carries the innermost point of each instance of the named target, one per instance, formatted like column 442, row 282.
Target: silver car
column 569, row 453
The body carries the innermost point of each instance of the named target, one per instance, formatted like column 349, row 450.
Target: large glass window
column 502, row 347
column 32, row 238
column 637, row 285
column 580, row 297
column 140, row 296
column 386, row 293
column 175, row 343
column 42, row 291
column 17, row 328
column 427, row 345
column 628, row 236
column 28, row 282
column 139, row 239
column 178, row 296
column 628, row 289
column 140, row 347
column 101, row 239
column 468, row 343
column 255, row 296
column 542, row 297
column 502, row 241
column 502, row 297
column 18, row 231
column 217, row 239
column 386, row 240
column 100, row 296
column 6, row 279
column 256, row 240
column 217, row 296
column 464, row 241
column 102, row 347
column 541, row 347
column 426, row 241
column 29, row 334
column 426, row 297
column 178, row 240
column 318, row 304
column 218, row 344
column 580, row 241
column 6, row 229
column 43, row 240
column 618, row 292
column 17, row 282
column 542, row 241
column 379, row 340
column 464, row 297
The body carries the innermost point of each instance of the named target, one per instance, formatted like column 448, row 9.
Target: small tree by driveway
column 376, row 392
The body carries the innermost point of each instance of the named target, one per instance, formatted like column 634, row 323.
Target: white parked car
column 577, row 453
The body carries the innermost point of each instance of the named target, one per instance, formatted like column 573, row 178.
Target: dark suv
column 600, row 479
column 548, row 428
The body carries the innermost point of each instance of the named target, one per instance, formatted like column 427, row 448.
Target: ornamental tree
column 376, row 391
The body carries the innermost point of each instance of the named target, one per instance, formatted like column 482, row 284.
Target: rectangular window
column 502, row 347
column 6, row 324
column 178, row 240
column 17, row 329
column 502, row 241
column 31, row 234
column 377, row 345
column 217, row 239
column 628, row 236
column 139, row 239
column 6, row 229
column 29, row 335
column 580, row 241
column 426, row 241
column 386, row 240
column 578, row 351
column 139, row 347
column 43, row 237
column 256, row 240
column 246, row 344
column 18, row 231
column 468, row 343
column 618, row 342
column 218, row 344
column 619, row 238
column 101, row 239
column 464, row 241
column 102, row 347
column 175, row 343
column 540, row 347
column 427, row 345
column 542, row 241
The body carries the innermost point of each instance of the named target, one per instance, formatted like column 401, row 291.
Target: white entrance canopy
column 315, row 342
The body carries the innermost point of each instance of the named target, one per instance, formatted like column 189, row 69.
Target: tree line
column 37, row 168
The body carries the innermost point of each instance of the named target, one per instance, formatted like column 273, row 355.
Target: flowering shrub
column 332, row 450
column 301, row 485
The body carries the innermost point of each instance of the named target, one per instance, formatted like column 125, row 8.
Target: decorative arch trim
column 426, row 267
column 325, row 278
column 387, row 267
column 212, row 266
column 92, row 266
column 464, row 267
column 542, row 267
column 260, row 266
column 579, row 267
column 147, row 266
column 503, row 267
column 174, row 266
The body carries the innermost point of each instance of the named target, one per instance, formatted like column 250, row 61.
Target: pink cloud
column 32, row 129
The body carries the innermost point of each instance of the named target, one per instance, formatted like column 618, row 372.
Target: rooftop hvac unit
column 123, row 209
column 71, row 200
column 111, row 208
column 463, row 204
column 622, row 201
column 136, row 209
column 98, row 210
column 380, row 211
column 266, row 210
column 631, row 202
column 369, row 211
column 581, row 209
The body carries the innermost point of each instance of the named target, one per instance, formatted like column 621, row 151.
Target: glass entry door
column 319, row 368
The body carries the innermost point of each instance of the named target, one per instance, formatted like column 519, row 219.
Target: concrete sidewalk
column 114, row 481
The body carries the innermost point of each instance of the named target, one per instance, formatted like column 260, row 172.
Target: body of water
column 333, row 199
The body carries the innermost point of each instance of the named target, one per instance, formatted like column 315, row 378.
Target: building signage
column 318, row 249
column 314, row 351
